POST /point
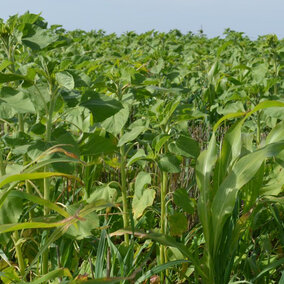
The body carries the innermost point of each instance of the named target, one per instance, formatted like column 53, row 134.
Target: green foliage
column 139, row 157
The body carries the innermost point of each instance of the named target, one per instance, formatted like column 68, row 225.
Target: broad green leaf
column 236, row 107
column 79, row 118
column 131, row 135
column 40, row 39
column 276, row 134
column 9, row 275
column 169, row 163
column 281, row 281
column 11, row 77
column 141, row 181
column 182, row 200
column 20, row 102
column 178, row 224
column 101, row 106
column 5, row 64
column 105, row 192
column 17, row 139
column 84, row 227
column 157, row 68
column 169, row 110
column 159, row 141
column 276, row 183
column 274, row 112
column 143, row 197
column 10, row 212
column 185, row 146
column 139, row 155
column 6, row 111
column 97, row 143
column 140, row 204
column 115, row 123
column 65, row 79
column 259, row 73
column 80, row 78
column 40, row 165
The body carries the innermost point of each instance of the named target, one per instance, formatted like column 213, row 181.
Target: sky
column 253, row 17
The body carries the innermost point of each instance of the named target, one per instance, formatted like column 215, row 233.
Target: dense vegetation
column 151, row 158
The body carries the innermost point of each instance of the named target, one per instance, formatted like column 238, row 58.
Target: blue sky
column 253, row 17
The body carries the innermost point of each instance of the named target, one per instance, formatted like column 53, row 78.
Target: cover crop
column 143, row 157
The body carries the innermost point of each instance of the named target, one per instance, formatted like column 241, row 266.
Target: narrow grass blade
column 159, row 269
column 61, row 272
column 20, row 177
column 40, row 201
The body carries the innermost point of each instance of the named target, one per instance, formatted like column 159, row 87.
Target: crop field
column 140, row 158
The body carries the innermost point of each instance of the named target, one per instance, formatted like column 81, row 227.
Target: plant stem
column 19, row 254
column 2, row 165
column 163, row 218
column 124, row 193
column 275, row 71
column 46, row 190
column 21, row 122
column 258, row 134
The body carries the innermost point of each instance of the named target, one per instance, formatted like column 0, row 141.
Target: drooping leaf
column 185, row 146
column 97, row 143
column 11, row 77
column 159, row 141
column 143, row 197
column 101, row 106
column 169, row 163
column 115, row 123
column 131, row 135
column 105, row 192
column 85, row 226
column 20, row 102
column 182, row 200
column 10, row 212
column 40, row 39
column 139, row 155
